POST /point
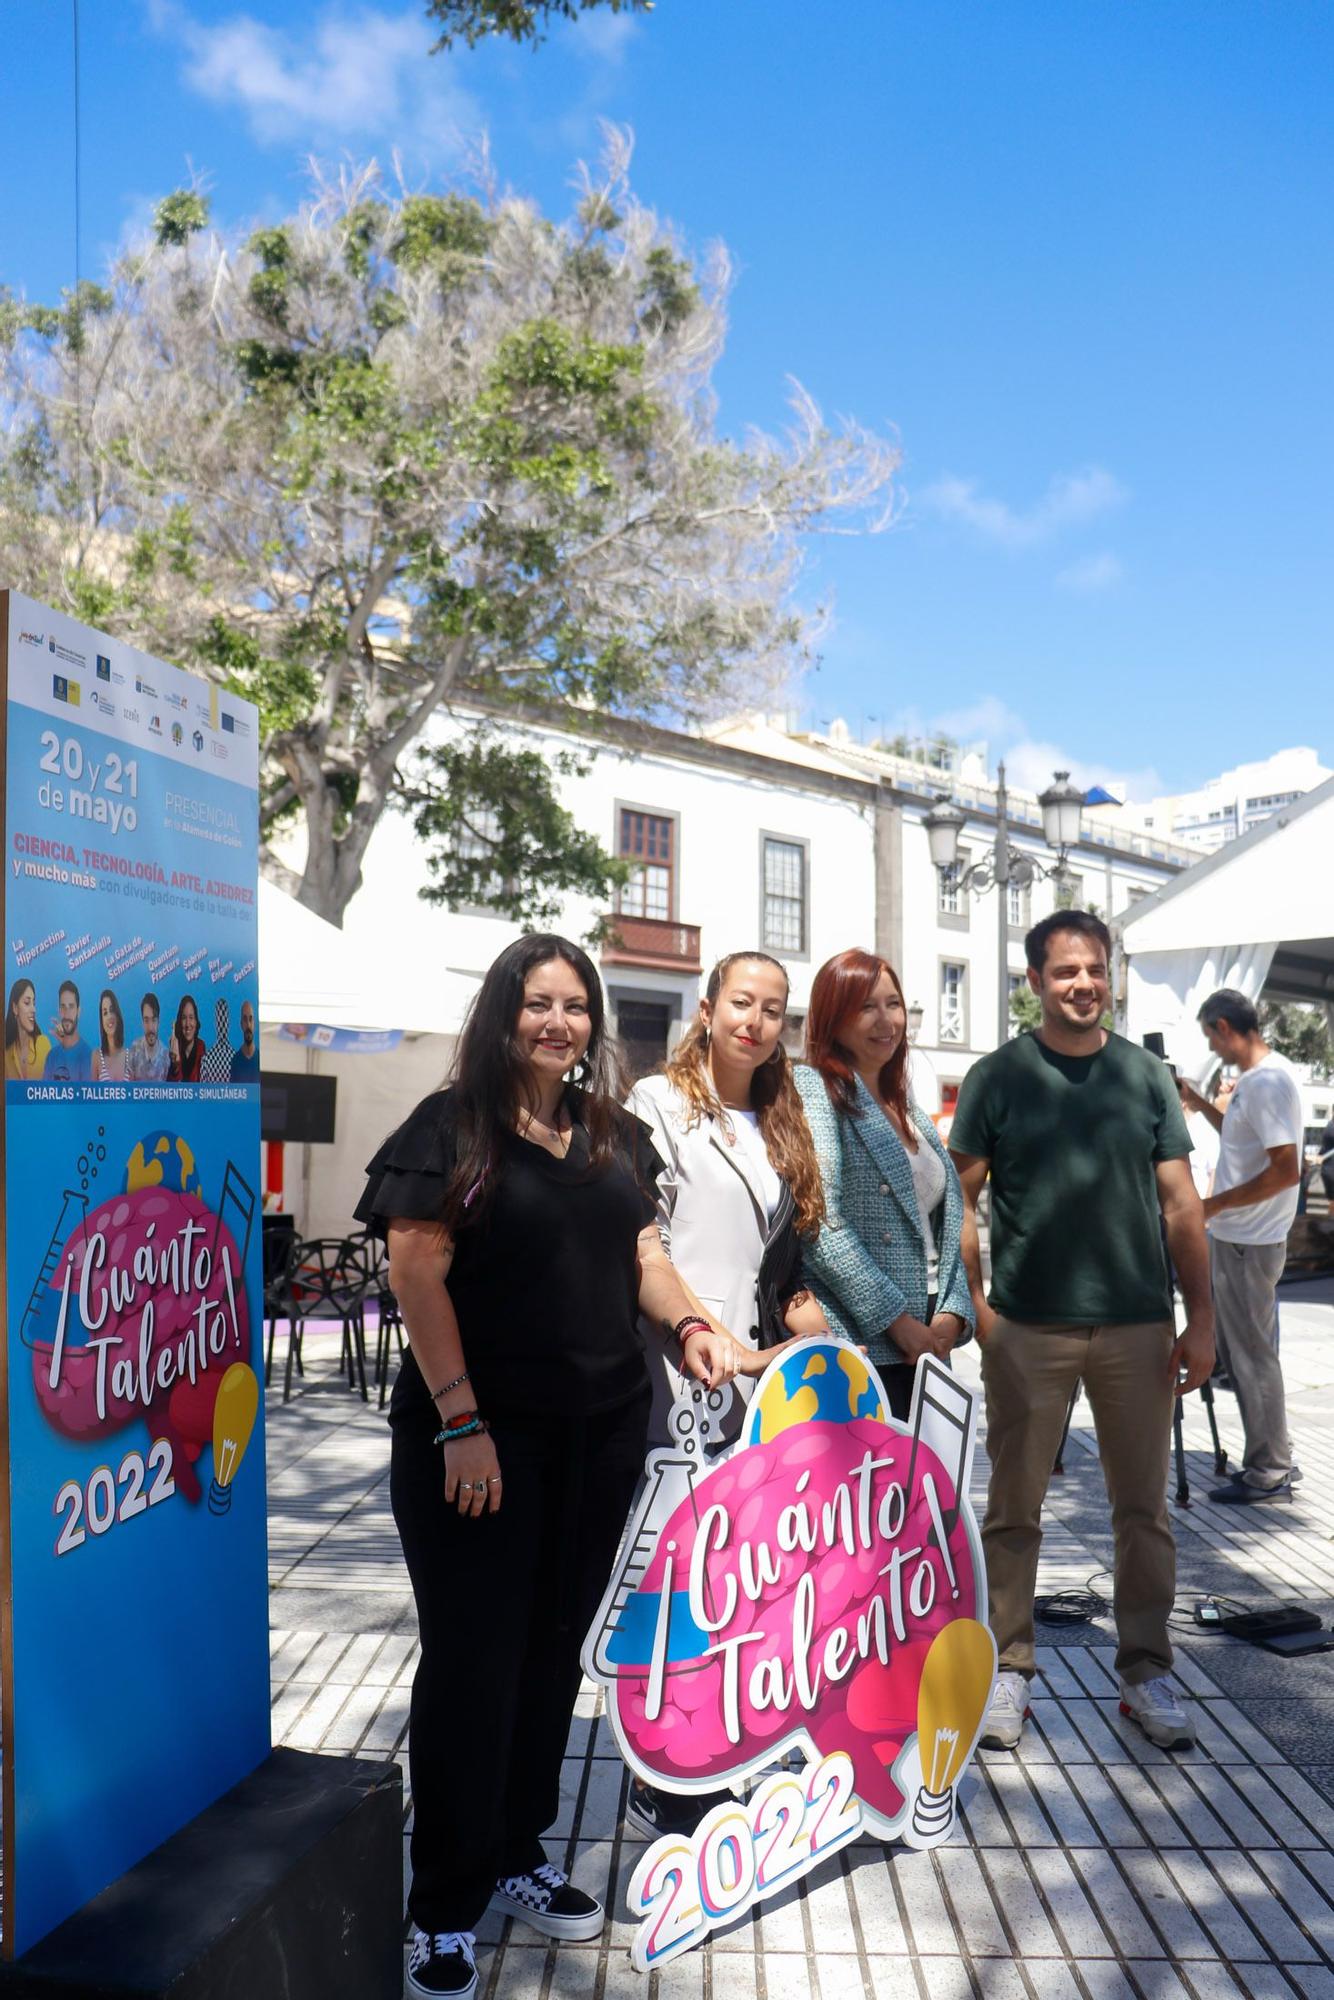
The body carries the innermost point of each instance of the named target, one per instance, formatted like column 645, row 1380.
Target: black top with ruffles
column 545, row 1284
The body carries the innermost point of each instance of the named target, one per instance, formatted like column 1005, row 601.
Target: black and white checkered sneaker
column 442, row 1963
column 549, row 1901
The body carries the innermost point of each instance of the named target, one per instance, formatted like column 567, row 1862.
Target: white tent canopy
column 308, row 971
column 1258, row 915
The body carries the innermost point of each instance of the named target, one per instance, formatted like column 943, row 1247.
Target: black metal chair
column 280, row 1246
column 390, row 1319
column 330, row 1280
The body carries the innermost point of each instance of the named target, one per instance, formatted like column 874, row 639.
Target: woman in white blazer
column 740, row 1188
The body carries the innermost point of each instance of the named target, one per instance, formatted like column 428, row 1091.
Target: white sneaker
column 1159, row 1713
column 1003, row 1724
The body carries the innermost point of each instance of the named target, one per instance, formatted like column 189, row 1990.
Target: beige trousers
column 1029, row 1374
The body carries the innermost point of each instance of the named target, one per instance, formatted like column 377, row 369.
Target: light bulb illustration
column 234, row 1416
column 951, row 1701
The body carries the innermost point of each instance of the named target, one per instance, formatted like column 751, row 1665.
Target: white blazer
column 714, row 1226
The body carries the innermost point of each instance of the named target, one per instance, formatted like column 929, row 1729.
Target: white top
column 1264, row 1110
column 746, row 1126
column 928, row 1179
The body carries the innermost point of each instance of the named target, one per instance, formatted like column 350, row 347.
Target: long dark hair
column 773, row 1098
column 187, row 1000
column 119, row 1042
column 11, row 1014
column 841, row 988
column 492, row 1082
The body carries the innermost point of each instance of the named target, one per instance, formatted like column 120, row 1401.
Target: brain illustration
column 779, row 1607
column 131, row 1234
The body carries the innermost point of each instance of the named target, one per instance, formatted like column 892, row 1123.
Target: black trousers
column 503, row 1603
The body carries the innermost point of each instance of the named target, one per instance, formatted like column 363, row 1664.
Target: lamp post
column 1062, row 806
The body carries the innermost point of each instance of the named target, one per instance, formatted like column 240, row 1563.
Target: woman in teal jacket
column 886, row 1266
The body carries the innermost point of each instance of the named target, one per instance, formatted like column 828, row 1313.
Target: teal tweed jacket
column 868, row 1263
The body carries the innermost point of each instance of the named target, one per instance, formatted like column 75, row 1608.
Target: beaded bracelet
column 691, row 1324
column 457, row 1383
column 468, row 1430
column 457, row 1421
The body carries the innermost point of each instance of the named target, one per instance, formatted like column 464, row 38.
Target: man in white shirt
column 1248, row 1216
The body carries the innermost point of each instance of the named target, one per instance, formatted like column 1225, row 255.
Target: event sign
column 133, row 1523
column 819, row 1590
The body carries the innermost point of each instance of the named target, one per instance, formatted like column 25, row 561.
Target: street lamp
column 915, row 1013
column 1062, row 807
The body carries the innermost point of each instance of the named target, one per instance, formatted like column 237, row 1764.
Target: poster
column 135, row 1656
column 819, row 1590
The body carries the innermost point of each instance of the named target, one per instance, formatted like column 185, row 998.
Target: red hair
column 841, row 988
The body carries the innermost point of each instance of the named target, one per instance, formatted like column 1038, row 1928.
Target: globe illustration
column 831, row 1385
column 162, row 1160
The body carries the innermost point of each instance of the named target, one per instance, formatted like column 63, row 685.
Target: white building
column 749, row 835
column 1230, row 805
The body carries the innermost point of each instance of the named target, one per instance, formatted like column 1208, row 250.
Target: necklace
column 556, row 1138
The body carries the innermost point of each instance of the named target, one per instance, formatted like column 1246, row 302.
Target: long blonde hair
column 773, row 1097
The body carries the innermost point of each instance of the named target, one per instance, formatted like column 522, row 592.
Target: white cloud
column 1071, row 499
column 1091, row 573
column 1030, row 760
column 603, row 36
column 348, row 75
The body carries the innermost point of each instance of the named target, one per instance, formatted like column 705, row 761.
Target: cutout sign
column 819, row 1589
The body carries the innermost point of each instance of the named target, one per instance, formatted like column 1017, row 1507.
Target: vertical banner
column 820, row 1589
column 135, row 1626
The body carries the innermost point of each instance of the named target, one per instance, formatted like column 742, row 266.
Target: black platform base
column 290, row 1887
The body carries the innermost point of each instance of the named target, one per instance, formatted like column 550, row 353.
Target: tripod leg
column 1220, row 1456
column 1058, row 1469
column 1179, row 1445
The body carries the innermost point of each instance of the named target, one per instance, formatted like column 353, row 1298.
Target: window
column 1070, row 890
column 952, row 897
column 953, row 1002
column 649, row 842
column 794, row 1035
column 783, row 914
column 475, row 842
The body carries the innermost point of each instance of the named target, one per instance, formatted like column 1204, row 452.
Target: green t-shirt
column 1073, row 1142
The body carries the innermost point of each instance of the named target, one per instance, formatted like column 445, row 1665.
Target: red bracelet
column 456, row 1423
column 690, row 1325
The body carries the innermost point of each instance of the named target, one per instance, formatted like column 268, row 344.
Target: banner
column 135, row 1656
column 819, row 1589
column 342, row 1041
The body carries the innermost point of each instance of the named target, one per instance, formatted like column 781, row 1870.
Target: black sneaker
column 654, row 1813
column 549, row 1901
column 443, row 1963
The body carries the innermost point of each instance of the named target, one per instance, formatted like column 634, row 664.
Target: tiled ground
column 1089, row 1863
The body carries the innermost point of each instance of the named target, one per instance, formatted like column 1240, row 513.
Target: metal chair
column 390, row 1319
column 330, row 1280
column 280, row 1246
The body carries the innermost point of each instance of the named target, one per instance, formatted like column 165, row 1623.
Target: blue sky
column 1077, row 254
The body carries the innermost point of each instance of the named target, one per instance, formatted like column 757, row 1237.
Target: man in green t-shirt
column 1084, row 1140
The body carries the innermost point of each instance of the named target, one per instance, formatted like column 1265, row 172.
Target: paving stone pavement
column 1087, row 1863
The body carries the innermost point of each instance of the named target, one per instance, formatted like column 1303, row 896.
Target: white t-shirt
column 746, row 1126
column 1264, row 1110
column 928, row 1175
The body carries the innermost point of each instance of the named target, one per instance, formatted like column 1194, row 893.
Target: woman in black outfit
column 518, row 1207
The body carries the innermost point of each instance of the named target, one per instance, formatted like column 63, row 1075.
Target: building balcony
column 653, row 942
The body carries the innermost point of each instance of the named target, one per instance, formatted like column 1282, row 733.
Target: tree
column 471, row 21
column 407, row 454
column 1025, row 1009
column 1301, row 1034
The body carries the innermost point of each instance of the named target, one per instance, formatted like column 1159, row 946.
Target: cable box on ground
column 1277, row 1621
